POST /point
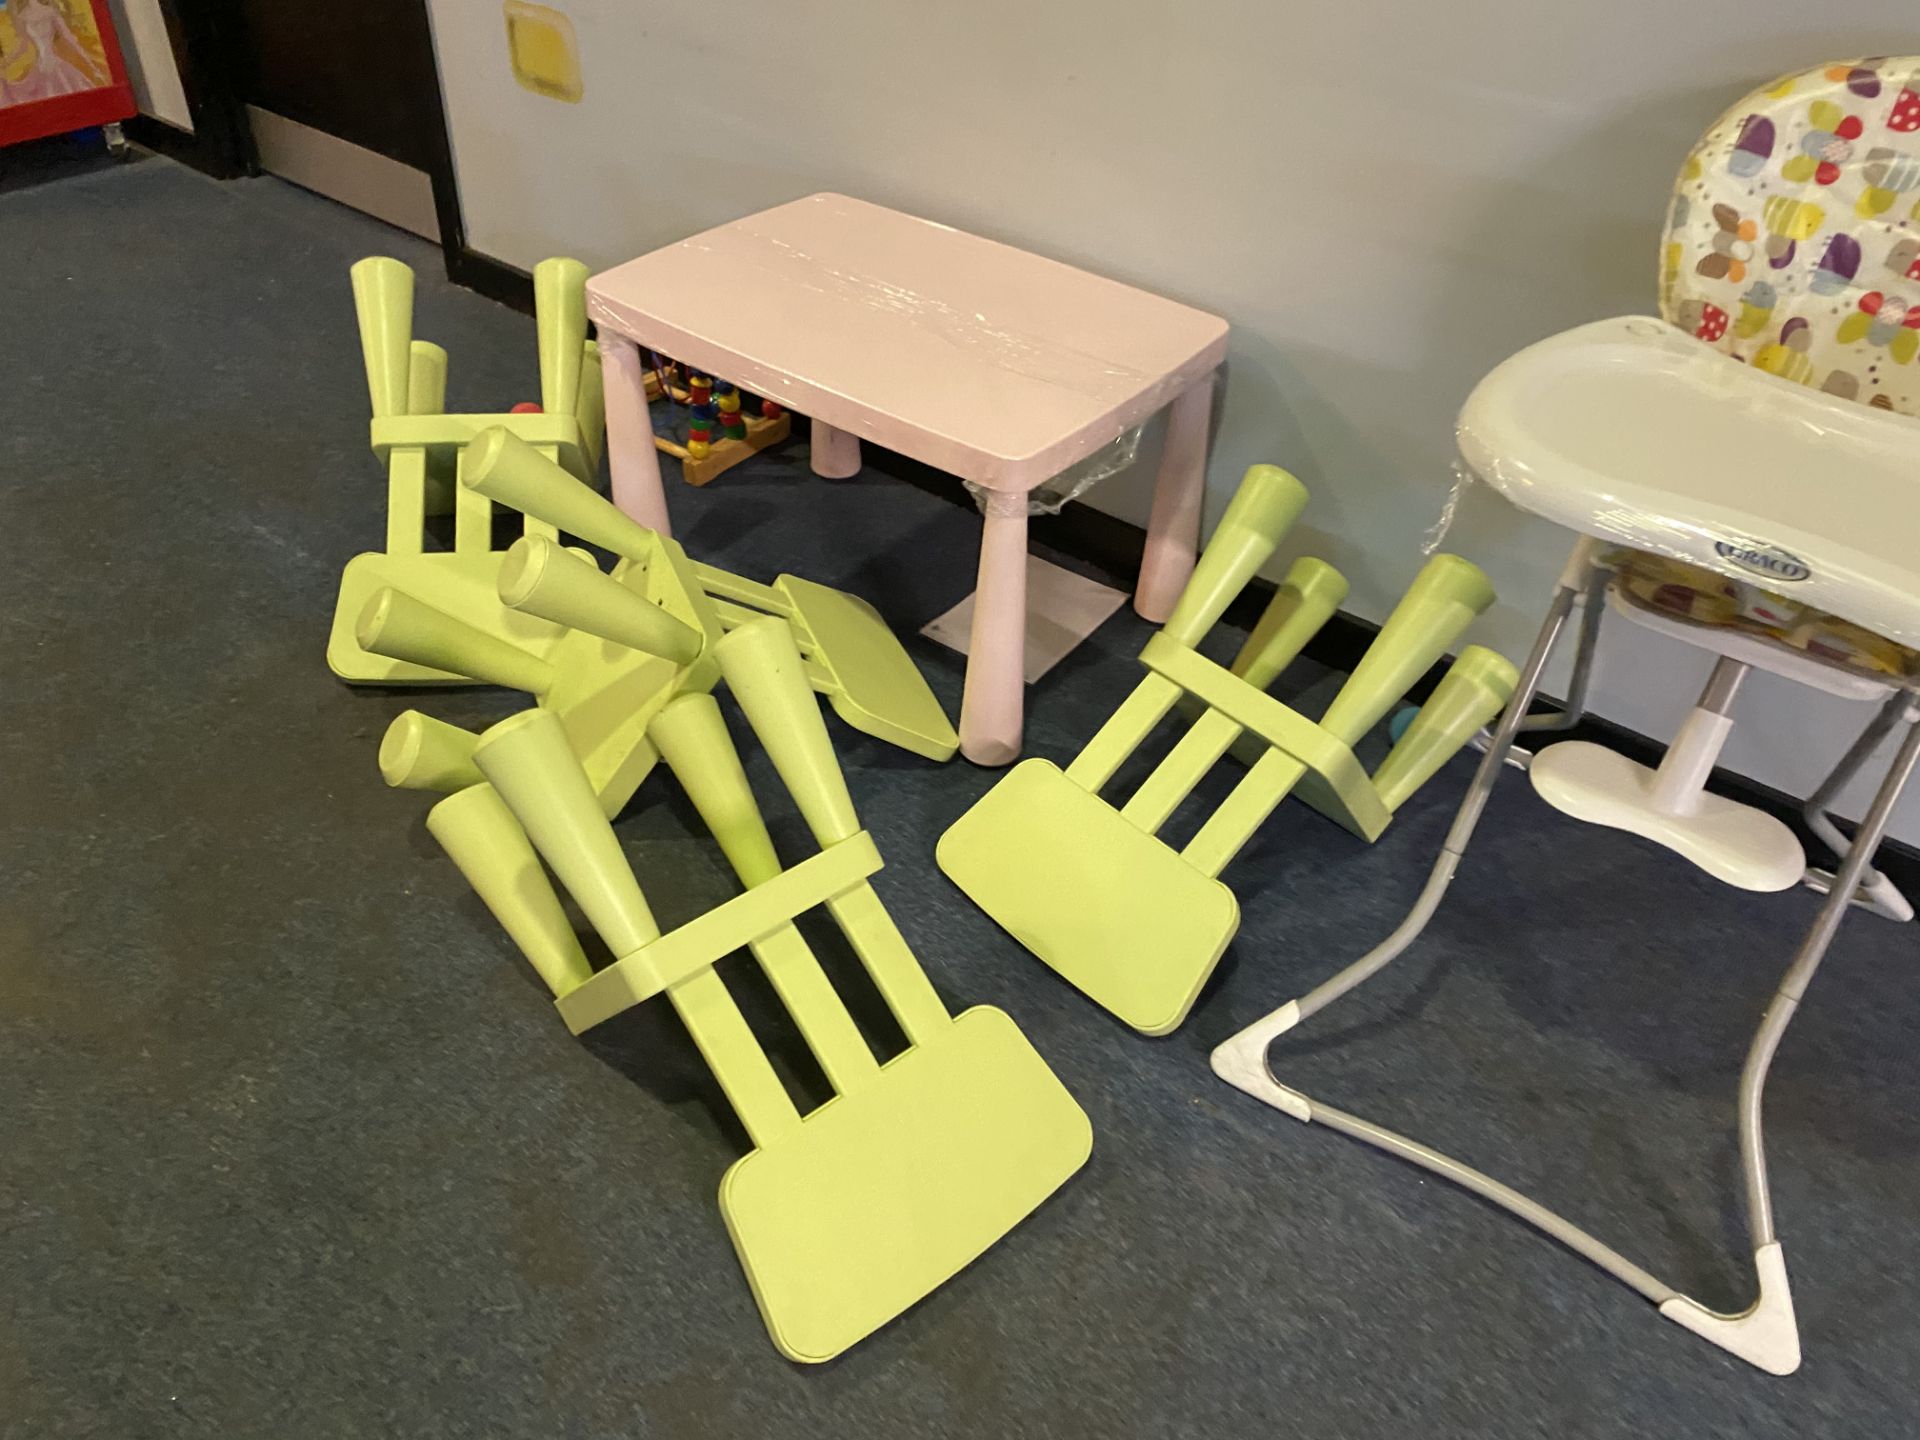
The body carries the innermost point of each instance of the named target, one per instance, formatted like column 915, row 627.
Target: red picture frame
column 32, row 118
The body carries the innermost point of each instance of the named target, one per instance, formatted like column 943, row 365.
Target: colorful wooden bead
column 698, row 449
column 730, row 401
column 525, row 407
column 770, row 409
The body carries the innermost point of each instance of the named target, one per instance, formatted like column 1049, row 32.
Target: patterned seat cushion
column 1793, row 244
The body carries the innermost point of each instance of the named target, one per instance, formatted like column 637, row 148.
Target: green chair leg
column 477, row 830
column 693, row 740
column 541, row 578
column 506, row 469
column 426, row 378
column 1312, row 591
column 397, row 625
column 1476, row 687
column 591, row 410
column 560, row 321
column 763, row 669
column 383, row 304
column 419, row 752
column 1442, row 601
column 1262, row 510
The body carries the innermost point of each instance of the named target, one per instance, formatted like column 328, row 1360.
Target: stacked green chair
column 1090, row 888
column 425, row 449
column 845, row 1216
column 606, row 651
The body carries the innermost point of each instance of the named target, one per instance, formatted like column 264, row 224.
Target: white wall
column 1385, row 197
column 151, row 68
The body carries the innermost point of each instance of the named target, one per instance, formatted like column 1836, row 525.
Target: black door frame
column 207, row 36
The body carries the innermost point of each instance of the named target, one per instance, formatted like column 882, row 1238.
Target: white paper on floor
column 1062, row 610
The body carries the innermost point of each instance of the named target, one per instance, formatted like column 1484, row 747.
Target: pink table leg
column 1173, row 527
column 836, row 454
column 995, row 699
column 632, row 460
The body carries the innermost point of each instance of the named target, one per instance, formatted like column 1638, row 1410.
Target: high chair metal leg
column 1876, row 892
column 1765, row 1334
column 1592, row 606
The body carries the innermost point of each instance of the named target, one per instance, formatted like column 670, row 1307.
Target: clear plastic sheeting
column 1633, row 431
column 1050, row 497
column 1436, row 535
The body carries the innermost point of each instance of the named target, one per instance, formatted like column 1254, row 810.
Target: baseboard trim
column 185, row 146
column 498, row 281
column 350, row 174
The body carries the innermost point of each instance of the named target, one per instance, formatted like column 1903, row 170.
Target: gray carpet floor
column 292, row 1144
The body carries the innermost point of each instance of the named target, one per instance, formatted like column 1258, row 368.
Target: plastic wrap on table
column 1050, row 497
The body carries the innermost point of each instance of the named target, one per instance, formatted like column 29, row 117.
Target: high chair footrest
column 1736, row 843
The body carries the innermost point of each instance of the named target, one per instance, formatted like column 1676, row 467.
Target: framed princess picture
column 60, row 69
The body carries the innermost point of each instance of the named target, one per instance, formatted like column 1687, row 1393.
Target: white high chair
column 1633, row 432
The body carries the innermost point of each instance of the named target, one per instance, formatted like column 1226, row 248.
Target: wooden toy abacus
column 721, row 431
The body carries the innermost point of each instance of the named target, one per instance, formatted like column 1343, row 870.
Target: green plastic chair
column 425, row 449
column 1092, row 890
column 417, row 617
column 847, row 1215
column 630, row 641
column 625, row 644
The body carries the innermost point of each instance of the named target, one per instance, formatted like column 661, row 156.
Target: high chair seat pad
column 1763, row 653
column 1633, row 431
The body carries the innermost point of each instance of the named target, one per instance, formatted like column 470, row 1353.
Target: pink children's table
column 992, row 364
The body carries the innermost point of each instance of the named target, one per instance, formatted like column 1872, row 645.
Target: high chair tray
column 1632, row 430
